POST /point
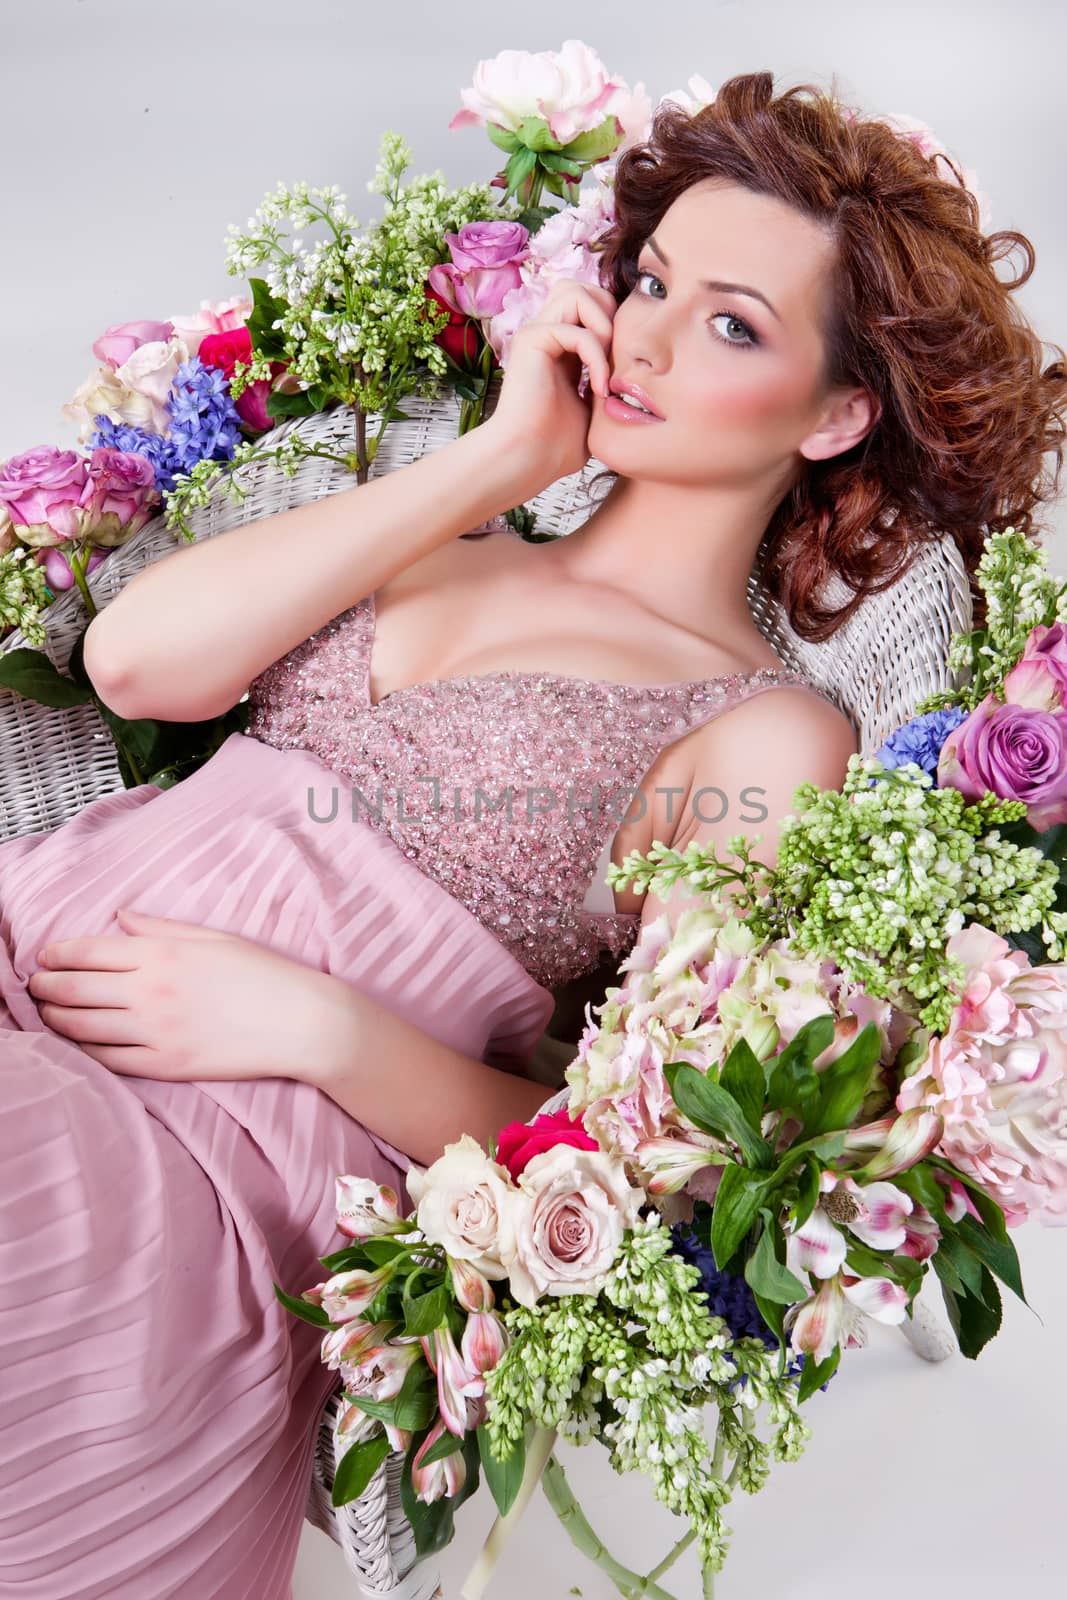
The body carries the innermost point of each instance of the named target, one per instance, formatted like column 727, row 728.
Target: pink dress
column 157, row 1404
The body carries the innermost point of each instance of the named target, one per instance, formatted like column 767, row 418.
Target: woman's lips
column 622, row 411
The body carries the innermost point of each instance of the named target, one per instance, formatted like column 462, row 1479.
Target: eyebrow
column 716, row 283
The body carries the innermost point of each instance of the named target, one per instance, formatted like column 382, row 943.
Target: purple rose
column 42, row 489
column 1018, row 752
column 1039, row 678
column 487, row 244
column 120, row 496
column 484, row 267
column 116, row 344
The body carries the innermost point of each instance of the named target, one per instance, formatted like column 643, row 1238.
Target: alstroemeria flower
column 442, row 1478
column 348, row 1294
column 364, row 1208
column 668, row 1164
column 835, row 1314
column 456, row 1382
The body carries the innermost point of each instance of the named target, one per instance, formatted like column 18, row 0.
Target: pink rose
column 116, row 344
column 223, row 351
column 570, row 1213
column 1016, row 751
column 519, row 1142
column 214, row 316
column 487, row 244
column 1039, row 678
column 478, row 293
column 42, row 489
column 119, row 497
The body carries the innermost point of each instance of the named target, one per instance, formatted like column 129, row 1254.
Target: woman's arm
column 755, row 755
column 409, row 1088
column 185, row 637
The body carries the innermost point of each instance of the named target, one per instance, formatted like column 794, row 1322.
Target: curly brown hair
column 918, row 317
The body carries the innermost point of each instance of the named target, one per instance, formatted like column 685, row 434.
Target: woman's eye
column 748, row 339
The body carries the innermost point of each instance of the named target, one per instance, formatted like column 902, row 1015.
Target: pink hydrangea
column 999, row 1078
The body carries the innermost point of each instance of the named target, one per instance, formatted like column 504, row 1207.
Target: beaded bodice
column 507, row 788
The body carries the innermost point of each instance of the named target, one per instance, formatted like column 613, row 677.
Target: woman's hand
column 178, row 1001
column 539, row 418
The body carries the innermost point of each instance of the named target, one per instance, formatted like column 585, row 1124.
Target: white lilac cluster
column 647, row 1348
column 23, row 594
column 1020, row 594
column 354, row 318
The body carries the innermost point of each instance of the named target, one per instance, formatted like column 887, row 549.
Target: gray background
column 131, row 134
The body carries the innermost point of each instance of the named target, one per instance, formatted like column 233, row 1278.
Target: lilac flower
column 205, row 425
column 920, row 740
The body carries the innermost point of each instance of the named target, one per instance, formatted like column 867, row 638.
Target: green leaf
column 503, row 1477
column 595, row 143
column 808, row 1191
column 773, row 1315
column 267, row 340
column 412, row 1408
column 766, row 1275
column 519, row 167
column 950, row 1278
column 357, row 1467
column 304, row 1309
column 998, row 1255
column 503, row 138
column 845, row 1081
column 987, row 1208
column 446, row 1445
column 968, row 1266
column 794, row 1084
column 714, row 1109
column 425, row 1312
column 813, row 1377
column 974, row 1321
column 738, row 1199
column 31, row 674
column 742, row 1076
column 920, row 1183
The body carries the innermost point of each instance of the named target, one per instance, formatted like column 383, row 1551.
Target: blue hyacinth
column 205, row 426
column 920, row 740
column 729, row 1297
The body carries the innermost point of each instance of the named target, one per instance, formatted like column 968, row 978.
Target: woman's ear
column 848, row 416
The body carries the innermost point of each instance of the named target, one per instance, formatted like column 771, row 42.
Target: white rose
column 465, row 1204
column 570, row 1213
column 104, row 394
column 150, row 372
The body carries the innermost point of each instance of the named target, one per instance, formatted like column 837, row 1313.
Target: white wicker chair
column 890, row 654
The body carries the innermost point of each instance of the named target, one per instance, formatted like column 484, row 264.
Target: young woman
column 301, row 961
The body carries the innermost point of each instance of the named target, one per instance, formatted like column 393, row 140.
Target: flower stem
column 79, row 560
column 538, row 1453
column 630, row 1584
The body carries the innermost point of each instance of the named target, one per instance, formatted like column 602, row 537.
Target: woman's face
column 735, row 372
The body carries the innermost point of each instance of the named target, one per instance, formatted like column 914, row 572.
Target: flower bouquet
column 835, row 1075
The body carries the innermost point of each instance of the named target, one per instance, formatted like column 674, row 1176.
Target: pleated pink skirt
column 158, row 1406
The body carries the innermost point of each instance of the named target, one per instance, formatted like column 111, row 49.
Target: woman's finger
column 96, row 1026
column 105, row 952
column 132, row 1061
column 584, row 344
column 569, row 301
column 79, row 988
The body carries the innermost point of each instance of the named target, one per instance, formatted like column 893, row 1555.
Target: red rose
column 519, row 1142
column 224, row 350
column 460, row 338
